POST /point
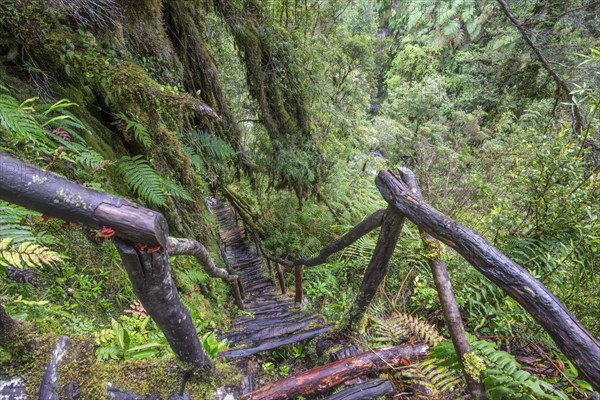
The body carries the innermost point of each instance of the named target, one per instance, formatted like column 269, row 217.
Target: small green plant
column 474, row 365
column 212, row 345
column 139, row 131
column 298, row 350
column 116, row 343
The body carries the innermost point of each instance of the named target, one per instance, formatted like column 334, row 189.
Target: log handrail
column 569, row 334
column 46, row 192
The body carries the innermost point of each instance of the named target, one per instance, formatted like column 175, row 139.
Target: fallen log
column 43, row 191
column 150, row 276
column 433, row 253
column 570, row 335
column 330, row 375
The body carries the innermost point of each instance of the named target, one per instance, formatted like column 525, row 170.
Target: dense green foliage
column 289, row 109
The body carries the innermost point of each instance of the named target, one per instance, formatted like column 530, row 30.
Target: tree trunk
column 377, row 269
column 568, row 333
column 563, row 86
column 433, row 253
column 330, row 375
column 150, row 276
column 40, row 190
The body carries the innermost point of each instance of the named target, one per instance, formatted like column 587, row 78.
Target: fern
column 89, row 158
column 503, row 377
column 15, row 118
column 26, row 255
column 400, row 327
column 140, row 133
column 196, row 159
column 209, row 146
column 140, row 176
column 10, row 223
column 440, row 379
column 175, row 189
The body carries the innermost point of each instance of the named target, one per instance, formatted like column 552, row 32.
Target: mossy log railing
column 142, row 238
column 577, row 344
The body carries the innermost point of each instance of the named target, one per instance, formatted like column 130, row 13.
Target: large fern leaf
column 140, row 176
column 26, row 255
column 401, row 326
column 209, row 146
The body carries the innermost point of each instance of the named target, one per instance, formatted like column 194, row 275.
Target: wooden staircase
column 273, row 319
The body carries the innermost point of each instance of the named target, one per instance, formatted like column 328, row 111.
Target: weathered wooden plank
column 364, row 391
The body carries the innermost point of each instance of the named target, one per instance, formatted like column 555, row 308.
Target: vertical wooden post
column 150, row 276
column 280, row 278
column 299, row 290
column 377, row 269
column 238, row 293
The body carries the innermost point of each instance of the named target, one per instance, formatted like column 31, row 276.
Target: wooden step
column 253, row 335
column 364, row 391
column 275, row 343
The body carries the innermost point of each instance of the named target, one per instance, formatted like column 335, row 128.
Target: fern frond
column 175, row 189
column 503, row 376
column 140, row 133
column 140, row 176
column 10, row 223
column 15, row 118
column 26, row 255
column 440, row 379
column 401, row 326
column 195, row 159
column 89, row 158
column 209, row 146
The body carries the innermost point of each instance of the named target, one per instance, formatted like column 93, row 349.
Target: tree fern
column 140, row 176
column 26, row 255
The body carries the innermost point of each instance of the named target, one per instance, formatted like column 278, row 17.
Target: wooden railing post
column 299, row 290
column 280, row 278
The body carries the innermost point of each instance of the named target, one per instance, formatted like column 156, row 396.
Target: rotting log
column 377, row 268
column 330, row 375
column 450, row 310
column 178, row 246
column 150, row 276
column 43, row 191
column 570, row 335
